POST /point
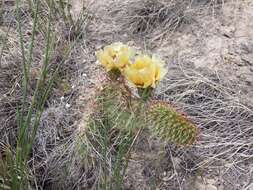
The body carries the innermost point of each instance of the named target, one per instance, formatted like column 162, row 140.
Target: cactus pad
column 169, row 124
column 116, row 108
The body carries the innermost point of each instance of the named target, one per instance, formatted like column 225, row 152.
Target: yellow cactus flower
column 115, row 56
column 145, row 72
column 160, row 70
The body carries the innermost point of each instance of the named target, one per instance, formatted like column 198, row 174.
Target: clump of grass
column 153, row 14
column 148, row 17
column 73, row 26
column 14, row 162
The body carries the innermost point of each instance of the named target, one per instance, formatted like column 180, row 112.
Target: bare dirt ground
column 208, row 48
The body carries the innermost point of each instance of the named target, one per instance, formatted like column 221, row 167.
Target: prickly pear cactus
column 111, row 99
column 170, row 125
column 116, row 108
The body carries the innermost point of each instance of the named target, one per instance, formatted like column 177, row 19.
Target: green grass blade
column 35, row 21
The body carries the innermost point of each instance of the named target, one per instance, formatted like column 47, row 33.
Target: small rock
column 228, row 31
column 67, row 105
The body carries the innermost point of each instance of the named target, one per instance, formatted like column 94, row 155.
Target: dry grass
column 219, row 104
column 224, row 117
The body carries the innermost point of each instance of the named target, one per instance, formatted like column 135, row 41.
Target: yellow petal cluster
column 145, row 71
column 115, row 56
column 141, row 70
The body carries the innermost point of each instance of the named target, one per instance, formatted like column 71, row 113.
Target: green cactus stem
column 168, row 124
